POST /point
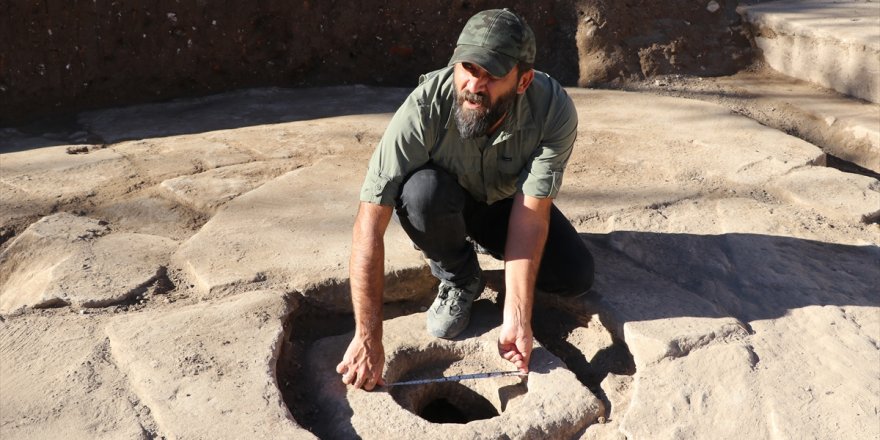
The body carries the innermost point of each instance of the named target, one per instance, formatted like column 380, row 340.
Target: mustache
column 473, row 98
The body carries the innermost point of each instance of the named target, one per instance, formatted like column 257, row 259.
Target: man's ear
column 525, row 81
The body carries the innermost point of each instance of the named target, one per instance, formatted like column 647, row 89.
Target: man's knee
column 581, row 283
column 572, row 278
column 430, row 191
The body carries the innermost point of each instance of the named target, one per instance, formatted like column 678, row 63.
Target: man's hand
column 365, row 357
column 526, row 235
column 515, row 345
column 363, row 362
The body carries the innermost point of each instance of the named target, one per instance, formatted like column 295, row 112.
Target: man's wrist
column 517, row 314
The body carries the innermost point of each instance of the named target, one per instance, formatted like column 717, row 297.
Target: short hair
column 522, row 67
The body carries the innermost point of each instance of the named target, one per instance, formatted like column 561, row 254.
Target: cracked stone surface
column 552, row 403
column 160, row 159
column 50, row 175
column 734, row 301
column 718, row 152
column 56, row 376
column 306, row 212
column 844, row 127
column 71, row 260
column 206, row 369
column 738, row 273
column 205, row 192
column 831, row 193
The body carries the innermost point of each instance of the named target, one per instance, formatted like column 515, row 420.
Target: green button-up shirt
column 527, row 154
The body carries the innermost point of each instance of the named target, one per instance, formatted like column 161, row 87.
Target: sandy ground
column 172, row 281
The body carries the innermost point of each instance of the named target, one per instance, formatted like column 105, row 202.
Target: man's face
column 482, row 100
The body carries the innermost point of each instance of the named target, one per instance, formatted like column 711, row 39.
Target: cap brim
column 497, row 64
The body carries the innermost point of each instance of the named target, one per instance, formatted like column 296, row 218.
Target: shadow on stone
column 643, row 276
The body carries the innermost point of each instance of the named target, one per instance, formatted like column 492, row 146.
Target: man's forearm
column 526, row 235
column 367, row 267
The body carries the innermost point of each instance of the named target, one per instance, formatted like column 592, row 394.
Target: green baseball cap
column 495, row 40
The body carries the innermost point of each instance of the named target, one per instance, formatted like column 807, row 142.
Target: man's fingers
column 508, row 351
column 513, row 356
column 370, row 384
column 361, row 379
column 341, row 368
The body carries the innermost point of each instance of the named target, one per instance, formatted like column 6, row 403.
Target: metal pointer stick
column 458, row 378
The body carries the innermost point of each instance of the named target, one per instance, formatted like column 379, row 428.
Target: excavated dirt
column 56, row 59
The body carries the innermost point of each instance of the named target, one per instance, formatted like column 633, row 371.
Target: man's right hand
column 364, row 359
column 363, row 363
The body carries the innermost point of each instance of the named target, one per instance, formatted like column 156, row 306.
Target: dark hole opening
column 441, row 411
column 462, row 406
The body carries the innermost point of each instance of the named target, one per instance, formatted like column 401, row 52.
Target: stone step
column 841, row 126
column 832, row 43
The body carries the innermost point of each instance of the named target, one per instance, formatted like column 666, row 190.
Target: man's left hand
column 515, row 344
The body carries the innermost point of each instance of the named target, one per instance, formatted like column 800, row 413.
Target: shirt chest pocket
column 508, row 165
column 511, row 160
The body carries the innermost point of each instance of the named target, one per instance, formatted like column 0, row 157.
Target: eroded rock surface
column 56, row 376
column 208, row 370
column 293, row 232
column 65, row 259
column 717, row 324
column 205, row 192
column 551, row 403
column 735, row 271
column 831, row 193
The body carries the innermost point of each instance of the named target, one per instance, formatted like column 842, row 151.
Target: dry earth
column 187, row 278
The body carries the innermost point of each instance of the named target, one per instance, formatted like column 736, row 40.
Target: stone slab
column 711, row 393
column 18, row 209
column 553, row 404
column 208, row 370
column 728, row 331
column 293, row 232
column 57, row 379
column 69, row 260
column 816, row 361
column 51, row 175
column 737, row 214
column 617, row 164
column 150, row 213
column 830, row 192
column 829, row 42
column 164, row 158
column 207, row 191
column 311, row 139
column 845, row 127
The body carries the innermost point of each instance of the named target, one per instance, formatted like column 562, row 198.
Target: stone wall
column 61, row 56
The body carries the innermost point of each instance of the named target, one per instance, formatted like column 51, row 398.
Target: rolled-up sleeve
column 402, row 149
column 542, row 176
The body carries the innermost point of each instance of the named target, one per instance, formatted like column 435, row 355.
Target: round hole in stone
column 455, row 403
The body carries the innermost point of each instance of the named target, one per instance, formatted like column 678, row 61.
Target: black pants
column 438, row 214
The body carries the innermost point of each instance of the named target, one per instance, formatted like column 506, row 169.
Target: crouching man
column 475, row 154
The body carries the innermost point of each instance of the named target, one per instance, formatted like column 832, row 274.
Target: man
column 477, row 153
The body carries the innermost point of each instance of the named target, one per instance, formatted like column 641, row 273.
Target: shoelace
column 450, row 295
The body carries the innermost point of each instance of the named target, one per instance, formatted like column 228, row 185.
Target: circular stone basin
column 452, row 402
column 551, row 403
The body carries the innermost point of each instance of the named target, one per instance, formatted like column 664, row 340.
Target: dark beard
column 476, row 122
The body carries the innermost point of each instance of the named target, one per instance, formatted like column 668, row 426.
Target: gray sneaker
column 450, row 312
